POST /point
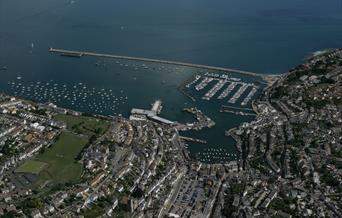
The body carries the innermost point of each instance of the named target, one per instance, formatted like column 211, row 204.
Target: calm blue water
column 265, row 36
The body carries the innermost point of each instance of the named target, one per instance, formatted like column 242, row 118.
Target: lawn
column 60, row 159
column 95, row 211
column 31, row 166
column 84, row 125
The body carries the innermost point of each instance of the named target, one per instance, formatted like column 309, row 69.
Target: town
column 57, row 162
column 291, row 154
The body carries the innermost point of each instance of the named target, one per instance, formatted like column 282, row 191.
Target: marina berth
column 197, row 77
column 227, row 91
column 238, row 94
column 214, row 90
column 249, row 96
column 204, row 83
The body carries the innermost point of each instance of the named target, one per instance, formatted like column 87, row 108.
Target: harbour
column 225, row 82
column 208, row 43
column 196, row 118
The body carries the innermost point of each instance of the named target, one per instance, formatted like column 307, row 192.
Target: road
column 173, row 194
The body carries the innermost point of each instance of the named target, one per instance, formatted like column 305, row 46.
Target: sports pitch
column 31, row 166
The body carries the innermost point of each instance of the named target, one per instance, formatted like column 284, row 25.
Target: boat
column 3, row 68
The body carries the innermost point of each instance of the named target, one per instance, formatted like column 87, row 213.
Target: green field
column 60, row 159
column 58, row 163
column 84, row 125
column 31, row 166
column 95, row 211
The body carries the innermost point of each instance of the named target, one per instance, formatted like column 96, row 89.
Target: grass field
column 60, row 159
column 57, row 163
column 31, row 166
column 84, row 125
column 95, row 211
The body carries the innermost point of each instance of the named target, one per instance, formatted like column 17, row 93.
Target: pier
column 237, row 108
column 84, row 53
column 141, row 114
column 192, row 139
column 237, row 112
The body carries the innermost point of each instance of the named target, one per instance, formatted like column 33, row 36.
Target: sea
column 265, row 37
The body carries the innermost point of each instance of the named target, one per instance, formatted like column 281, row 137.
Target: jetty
column 94, row 54
column 192, row 139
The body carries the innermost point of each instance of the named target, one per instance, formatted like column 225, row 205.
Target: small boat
column 3, row 68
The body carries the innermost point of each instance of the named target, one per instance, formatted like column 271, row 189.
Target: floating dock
column 226, row 92
column 214, row 89
column 239, row 92
column 249, row 96
column 203, row 83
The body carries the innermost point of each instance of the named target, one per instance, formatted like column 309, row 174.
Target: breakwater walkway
column 84, row 53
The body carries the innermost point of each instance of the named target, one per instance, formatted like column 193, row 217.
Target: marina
column 229, row 84
column 227, row 91
column 204, row 83
column 238, row 94
column 197, row 77
column 249, row 96
column 214, row 89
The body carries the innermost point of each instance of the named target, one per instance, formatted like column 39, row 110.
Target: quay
column 236, row 108
column 192, row 139
column 238, row 113
column 84, row 53
column 142, row 114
